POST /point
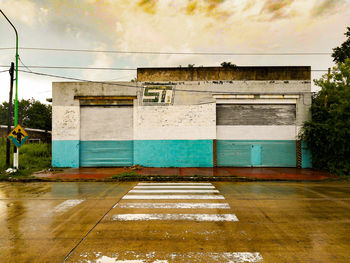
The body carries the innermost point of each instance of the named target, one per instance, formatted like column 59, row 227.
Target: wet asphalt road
column 141, row 223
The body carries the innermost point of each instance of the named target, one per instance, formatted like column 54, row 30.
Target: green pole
column 16, row 94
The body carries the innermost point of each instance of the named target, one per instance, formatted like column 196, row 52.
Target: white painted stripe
column 175, row 205
column 106, row 259
column 175, row 122
column 174, row 187
column 176, row 217
column 160, row 132
column 256, row 101
column 155, row 184
column 66, row 205
column 159, row 197
column 174, row 191
column 212, row 257
column 246, row 132
column 125, row 261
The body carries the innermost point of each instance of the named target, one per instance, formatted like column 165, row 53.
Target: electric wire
column 175, row 53
column 122, row 77
column 69, row 67
column 112, row 69
column 23, row 64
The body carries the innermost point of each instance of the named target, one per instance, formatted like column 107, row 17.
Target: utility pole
column 15, row 156
column 9, row 119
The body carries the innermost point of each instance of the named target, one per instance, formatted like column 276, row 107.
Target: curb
column 165, row 179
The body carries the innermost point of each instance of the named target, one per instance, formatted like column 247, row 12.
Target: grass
column 32, row 158
column 125, row 174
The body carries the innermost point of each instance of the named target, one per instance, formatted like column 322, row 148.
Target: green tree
column 343, row 52
column 328, row 134
column 31, row 113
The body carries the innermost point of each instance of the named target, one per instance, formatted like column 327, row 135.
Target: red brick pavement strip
column 293, row 174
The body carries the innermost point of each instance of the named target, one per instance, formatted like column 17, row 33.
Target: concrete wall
column 178, row 122
column 220, row 73
column 66, row 117
column 179, row 128
column 174, row 136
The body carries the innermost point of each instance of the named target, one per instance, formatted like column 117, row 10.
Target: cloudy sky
column 234, row 26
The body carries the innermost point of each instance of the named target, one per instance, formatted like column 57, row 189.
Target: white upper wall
column 192, row 115
column 178, row 122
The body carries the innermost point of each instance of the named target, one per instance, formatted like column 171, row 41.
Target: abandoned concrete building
column 184, row 117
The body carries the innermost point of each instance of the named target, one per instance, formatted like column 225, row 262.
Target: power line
column 100, row 68
column 23, row 63
column 71, row 78
column 175, row 53
column 122, row 77
column 6, row 70
column 68, row 67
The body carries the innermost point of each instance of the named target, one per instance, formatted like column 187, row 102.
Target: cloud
column 101, row 60
column 171, row 26
column 277, row 8
column 149, row 6
column 23, row 11
column 326, row 7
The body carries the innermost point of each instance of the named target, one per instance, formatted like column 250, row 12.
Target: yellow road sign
column 18, row 136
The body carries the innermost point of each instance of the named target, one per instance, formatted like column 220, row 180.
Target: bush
column 32, row 157
column 328, row 134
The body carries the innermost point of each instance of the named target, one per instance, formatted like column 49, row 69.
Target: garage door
column 256, row 135
column 106, row 134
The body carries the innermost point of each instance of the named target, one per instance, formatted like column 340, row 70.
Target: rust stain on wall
column 219, row 73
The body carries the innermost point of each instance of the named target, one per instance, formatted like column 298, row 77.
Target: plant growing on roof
column 228, row 65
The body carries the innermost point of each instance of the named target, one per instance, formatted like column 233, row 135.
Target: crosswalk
column 66, row 205
column 175, row 191
column 226, row 257
column 173, row 203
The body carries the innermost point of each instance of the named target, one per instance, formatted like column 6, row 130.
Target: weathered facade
column 185, row 117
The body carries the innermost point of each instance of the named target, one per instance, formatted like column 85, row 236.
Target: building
column 184, row 117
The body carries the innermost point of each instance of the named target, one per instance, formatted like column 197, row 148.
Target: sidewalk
column 215, row 174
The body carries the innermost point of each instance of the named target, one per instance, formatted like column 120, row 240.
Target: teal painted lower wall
column 65, row 153
column 177, row 153
column 106, row 153
column 306, row 157
column 244, row 153
column 173, row 153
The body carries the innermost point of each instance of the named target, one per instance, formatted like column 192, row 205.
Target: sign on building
column 157, row 95
column 18, row 136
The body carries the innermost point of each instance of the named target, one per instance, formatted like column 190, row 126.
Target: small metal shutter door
column 106, row 134
column 255, row 155
column 255, row 152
